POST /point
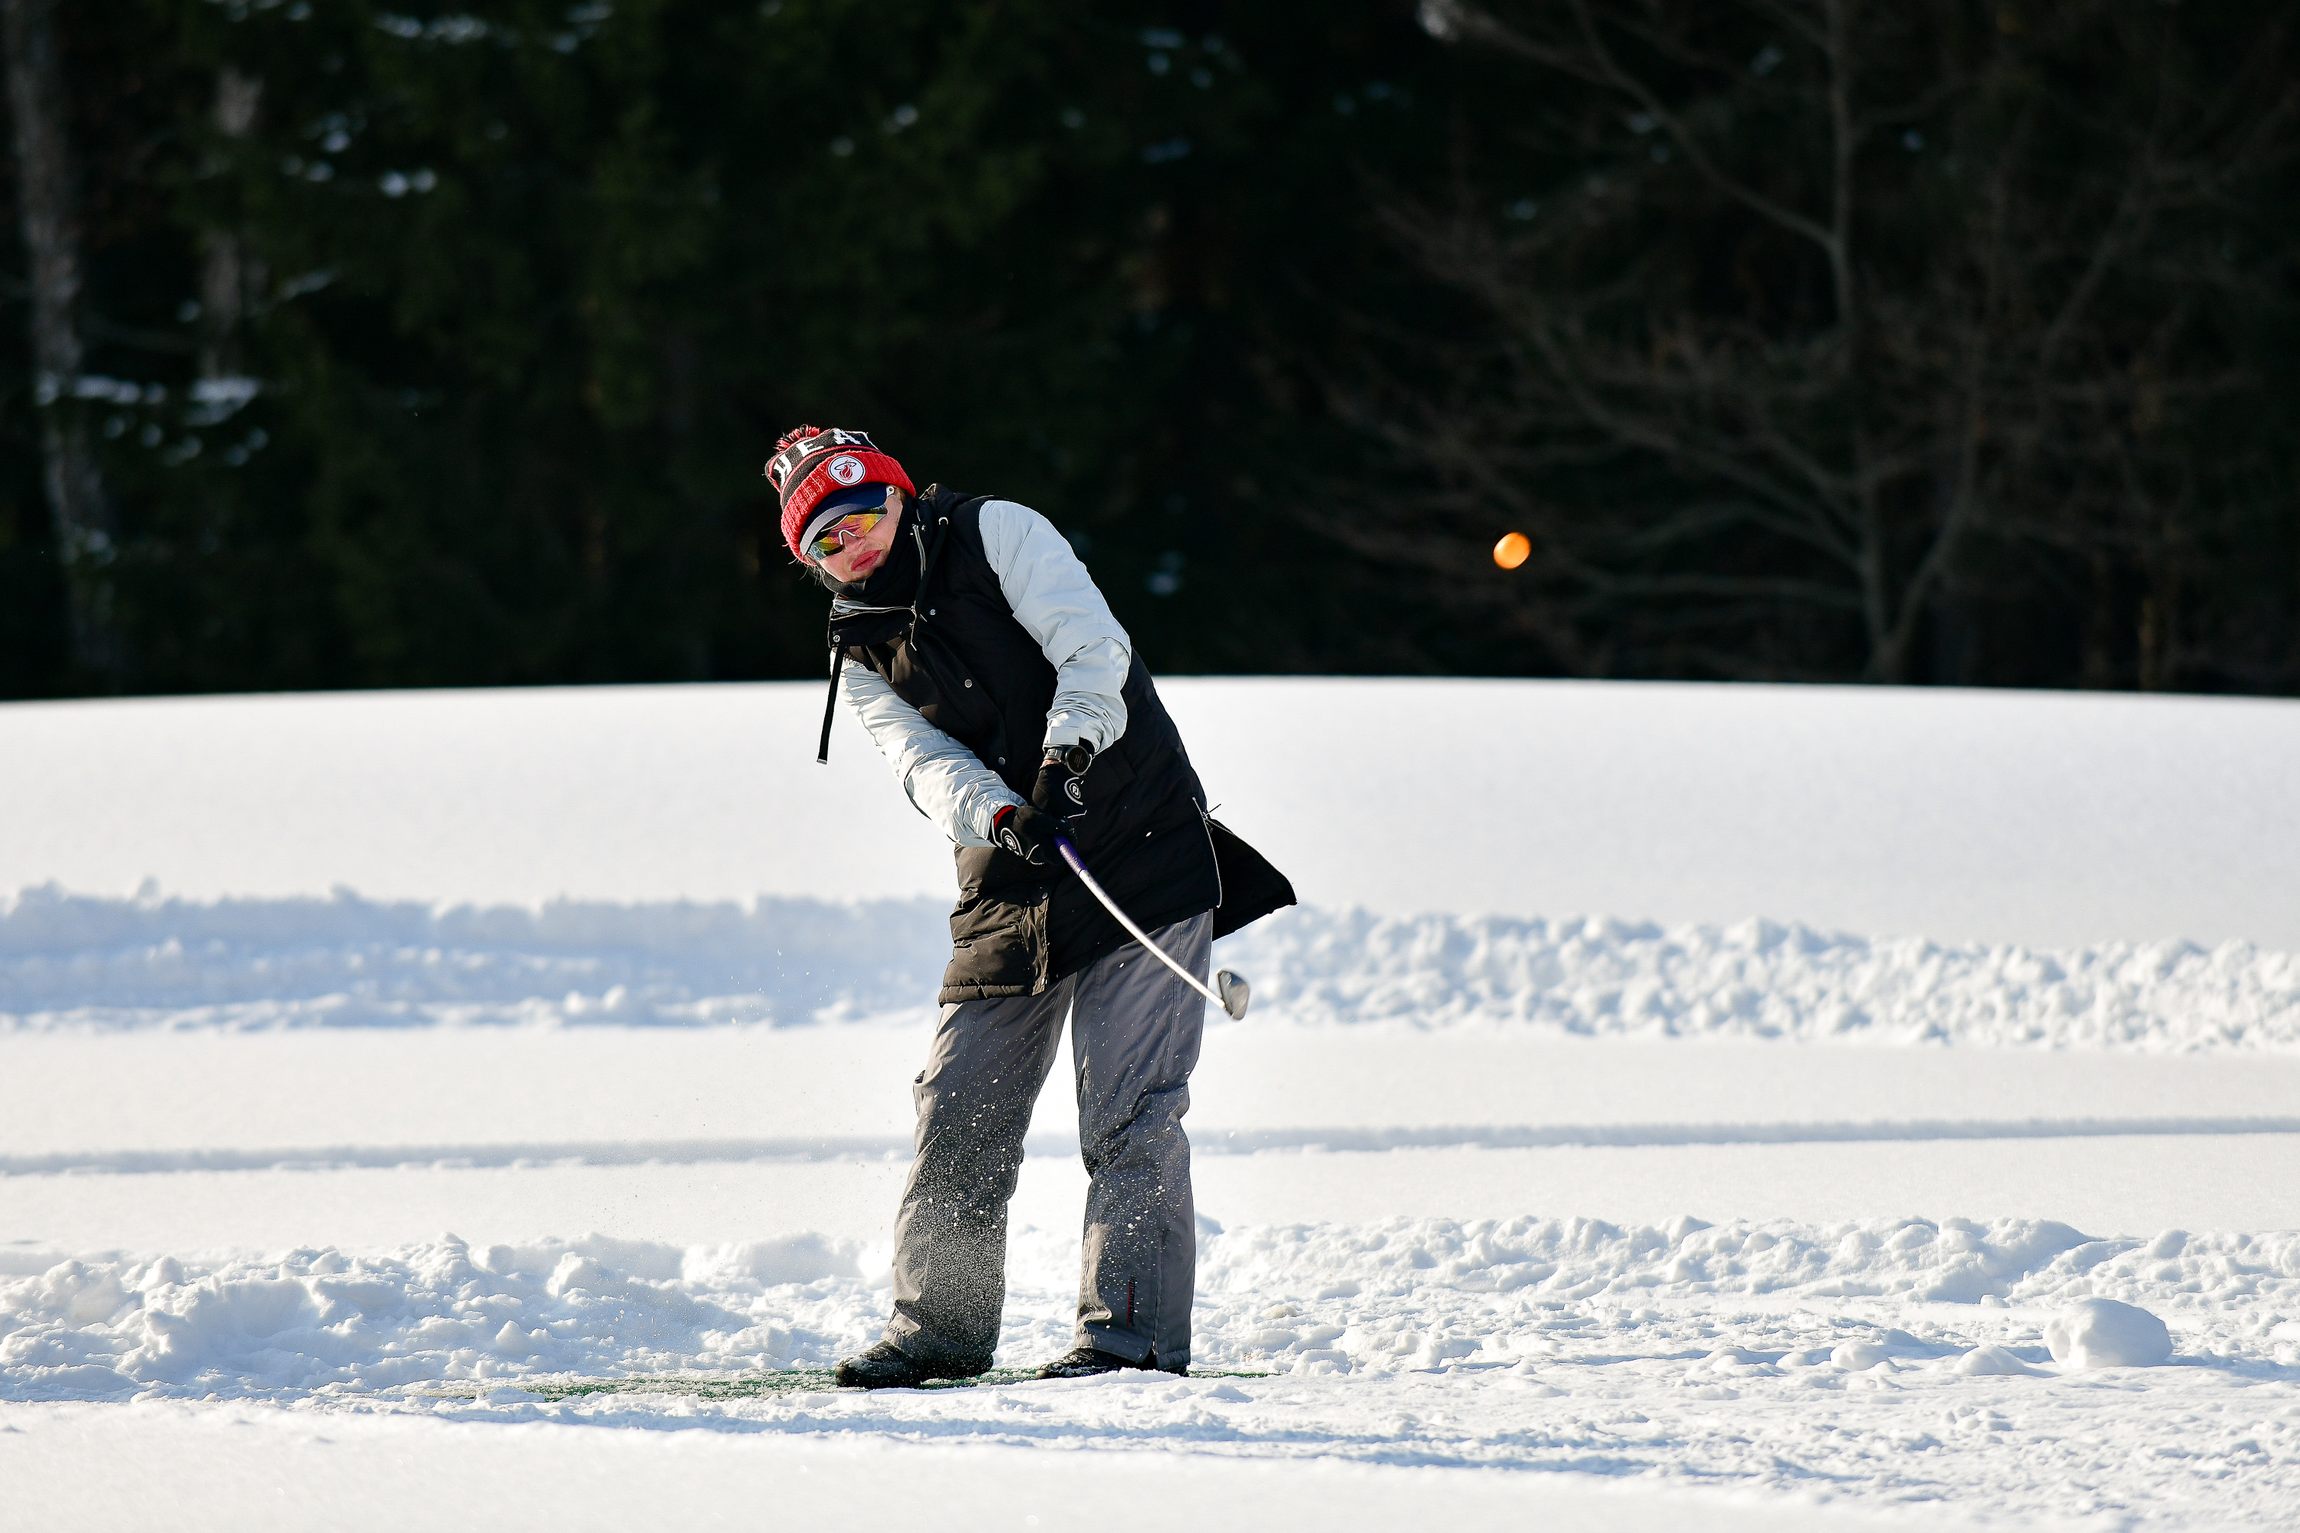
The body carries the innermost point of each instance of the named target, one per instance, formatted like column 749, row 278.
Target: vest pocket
column 998, row 942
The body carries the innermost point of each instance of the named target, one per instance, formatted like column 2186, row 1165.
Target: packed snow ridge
column 79, row 961
column 1399, row 1295
column 1844, row 1361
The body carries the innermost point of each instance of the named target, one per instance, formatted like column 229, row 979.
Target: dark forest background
column 353, row 344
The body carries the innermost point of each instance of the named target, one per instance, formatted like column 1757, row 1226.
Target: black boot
column 887, row 1366
column 1084, row 1362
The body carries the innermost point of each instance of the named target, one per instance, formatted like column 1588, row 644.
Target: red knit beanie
column 810, row 463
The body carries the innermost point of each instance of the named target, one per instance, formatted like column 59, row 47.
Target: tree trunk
column 226, row 273
column 2098, row 671
column 85, row 532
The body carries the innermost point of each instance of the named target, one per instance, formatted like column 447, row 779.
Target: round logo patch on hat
column 846, row 468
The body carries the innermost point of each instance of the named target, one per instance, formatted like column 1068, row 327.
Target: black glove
column 1061, row 789
column 1023, row 831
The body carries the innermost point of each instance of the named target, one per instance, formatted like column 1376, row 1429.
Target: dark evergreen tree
column 434, row 345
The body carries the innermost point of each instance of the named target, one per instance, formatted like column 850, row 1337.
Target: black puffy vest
column 958, row 656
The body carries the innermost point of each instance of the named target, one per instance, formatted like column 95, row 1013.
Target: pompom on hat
column 811, row 464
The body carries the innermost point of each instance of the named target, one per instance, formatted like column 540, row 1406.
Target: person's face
column 858, row 556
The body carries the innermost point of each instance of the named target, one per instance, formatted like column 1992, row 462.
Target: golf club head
column 1234, row 991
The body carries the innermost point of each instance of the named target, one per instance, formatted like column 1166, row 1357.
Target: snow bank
column 71, row 960
column 323, row 1319
column 1995, row 1362
column 1763, row 979
column 344, row 961
column 1403, row 1295
column 2105, row 1333
column 1956, row 1261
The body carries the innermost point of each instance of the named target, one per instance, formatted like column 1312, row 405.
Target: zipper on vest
column 926, row 558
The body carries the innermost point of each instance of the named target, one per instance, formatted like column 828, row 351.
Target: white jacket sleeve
column 944, row 780
column 1057, row 602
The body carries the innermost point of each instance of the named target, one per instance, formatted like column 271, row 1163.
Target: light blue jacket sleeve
column 943, row 780
column 1058, row 603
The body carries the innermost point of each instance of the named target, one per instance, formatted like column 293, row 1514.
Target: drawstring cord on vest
column 830, row 703
column 838, row 651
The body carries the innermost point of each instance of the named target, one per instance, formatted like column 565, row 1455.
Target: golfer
column 988, row 670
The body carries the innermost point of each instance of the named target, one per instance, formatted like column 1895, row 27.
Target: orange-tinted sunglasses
column 834, row 537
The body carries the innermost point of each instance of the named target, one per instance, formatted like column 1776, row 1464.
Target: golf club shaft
column 1078, row 866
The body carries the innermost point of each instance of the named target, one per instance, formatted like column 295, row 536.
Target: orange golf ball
column 1513, row 550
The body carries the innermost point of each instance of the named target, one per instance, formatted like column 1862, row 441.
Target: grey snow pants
column 1134, row 1035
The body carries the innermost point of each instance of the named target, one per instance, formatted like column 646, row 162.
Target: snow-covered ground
column 2052, row 820
column 1697, row 1105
